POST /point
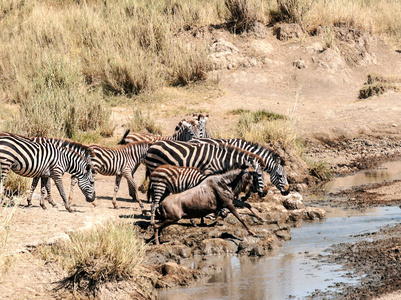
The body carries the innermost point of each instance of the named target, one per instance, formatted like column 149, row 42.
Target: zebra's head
column 186, row 130
column 259, row 182
column 278, row 177
column 201, row 122
column 86, row 182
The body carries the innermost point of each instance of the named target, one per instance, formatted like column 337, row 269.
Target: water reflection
column 387, row 172
column 290, row 273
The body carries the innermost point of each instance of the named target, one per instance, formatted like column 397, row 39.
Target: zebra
column 81, row 149
column 44, row 160
column 119, row 162
column 212, row 159
column 187, row 130
column 199, row 121
column 168, row 179
column 274, row 164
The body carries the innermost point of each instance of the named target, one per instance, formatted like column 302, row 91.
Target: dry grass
column 142, row 122
column 16, row 185
column 106, row 253
column 320, row 170
column 378, row 84
column 266, row 127
column 6, row 214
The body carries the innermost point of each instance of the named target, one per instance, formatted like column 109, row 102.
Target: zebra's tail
column 122, row 142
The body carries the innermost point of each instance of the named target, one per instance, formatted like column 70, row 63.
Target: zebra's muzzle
column 286, row 191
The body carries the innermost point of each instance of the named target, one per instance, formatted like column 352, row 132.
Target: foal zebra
column 167, row 179
column 35, row 160
column 186, row 131
column 274, row 164
column 119, row 162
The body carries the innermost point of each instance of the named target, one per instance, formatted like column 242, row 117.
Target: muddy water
column 386, row 172
column 291, row 272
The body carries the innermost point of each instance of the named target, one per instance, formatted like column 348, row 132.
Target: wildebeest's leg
column 160, row 225
column 232, row 209
column 46, row 187
column 238, row 203
column 132, row 190
column 58, row 180
column 34, row 184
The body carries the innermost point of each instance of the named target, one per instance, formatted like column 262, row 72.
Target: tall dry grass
column 108, row 252
column 6, row 214
column 62, row 60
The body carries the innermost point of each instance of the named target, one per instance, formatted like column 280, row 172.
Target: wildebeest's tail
column 122, row 142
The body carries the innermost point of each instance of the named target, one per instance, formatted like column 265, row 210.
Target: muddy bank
column 376, row 259
column 346, row 156
column 219, row 237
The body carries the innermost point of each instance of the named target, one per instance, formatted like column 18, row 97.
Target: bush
column 243, row 13
column 321, row 171
column 141, row 122
column 105, row 253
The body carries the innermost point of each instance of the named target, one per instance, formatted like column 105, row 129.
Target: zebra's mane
column 122, row 141
column 232, row 148
column 70, row 144
column 124, row 145
column 272, row 152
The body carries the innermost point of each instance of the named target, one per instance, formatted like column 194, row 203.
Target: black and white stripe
column 44, row 160
column 274, row 164
column 185, row 131
column 120, row 162
column 201, row 121
column 167, row 179
column 210, row 158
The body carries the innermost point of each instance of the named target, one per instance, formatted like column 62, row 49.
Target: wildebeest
column 211, row 195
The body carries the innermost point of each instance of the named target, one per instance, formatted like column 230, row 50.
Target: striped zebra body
column 35, row 160
column 186, row 131
column 167, row 179
column 120, row 162
column 274, row 164
column 81, row 149
column 210, row 158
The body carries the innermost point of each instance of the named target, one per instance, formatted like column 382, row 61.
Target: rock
column 215, row 246
column 174, row 274
column 293, row 201
column 168, row 251
column 300, row 64
column 285, row 32
column 224, row 54
column 259, row 247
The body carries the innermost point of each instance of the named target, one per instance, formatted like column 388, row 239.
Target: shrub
column 243, row 13
column 141, row 122
column 105, row 253
column 321, row 171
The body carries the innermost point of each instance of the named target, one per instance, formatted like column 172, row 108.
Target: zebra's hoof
column 44, row 207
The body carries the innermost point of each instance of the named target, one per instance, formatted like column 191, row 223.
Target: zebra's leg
column 116, row 187
column 58, row 180
column 34, row 184
column 46, row 183
column 157, row 195
column 72, row 187
column 133, row 192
